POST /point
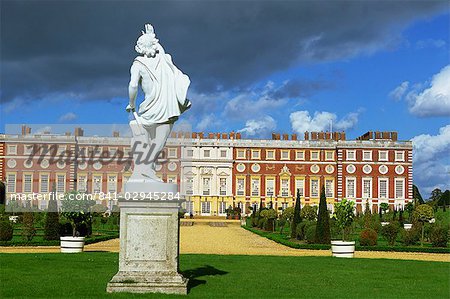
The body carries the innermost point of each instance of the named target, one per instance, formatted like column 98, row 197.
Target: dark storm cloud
column 85, row 48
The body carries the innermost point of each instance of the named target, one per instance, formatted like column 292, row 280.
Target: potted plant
column 76, row 211
column 408, row 222
column 383, row 207
column 423, row 213
column 343, row 214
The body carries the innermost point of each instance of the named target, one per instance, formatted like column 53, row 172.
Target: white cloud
column 259, row 127
column 207, row 122
column 428, row 147
column 399, row 91
column 430, row 43
column 431, row 99
column 431, row 156
column 70, row 116
column 301, row 121
column 43, row 130
column 255, row 102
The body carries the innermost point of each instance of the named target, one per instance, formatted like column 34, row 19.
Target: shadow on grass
column 193, row 274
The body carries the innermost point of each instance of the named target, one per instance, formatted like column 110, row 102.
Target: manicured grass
column 85, row 275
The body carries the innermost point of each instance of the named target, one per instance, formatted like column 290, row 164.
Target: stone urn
column 343, row 248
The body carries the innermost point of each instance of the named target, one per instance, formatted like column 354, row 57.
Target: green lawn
column 85, row 275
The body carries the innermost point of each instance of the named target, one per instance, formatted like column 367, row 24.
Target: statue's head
column 147, row 43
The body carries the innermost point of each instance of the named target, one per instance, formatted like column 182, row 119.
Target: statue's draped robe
column 167, row 99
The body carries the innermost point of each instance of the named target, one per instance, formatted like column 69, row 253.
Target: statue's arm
column 133, row 86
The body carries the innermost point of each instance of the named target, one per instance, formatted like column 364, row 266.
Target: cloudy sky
column 255, row 67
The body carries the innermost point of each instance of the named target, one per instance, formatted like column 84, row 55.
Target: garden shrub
column 51, row 226
column 323, row 234
column 28, row 229
column 310, row 233
column 65, row 229
column 282, row 224
column 368, row 237
column 261, row 223
column 6, row 229
column 390, row 232
column 411, row 236
column 309, row 212
column 439, row 236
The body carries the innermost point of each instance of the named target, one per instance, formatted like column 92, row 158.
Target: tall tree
column 417, row 196
column 323, row 235
column 297, row 217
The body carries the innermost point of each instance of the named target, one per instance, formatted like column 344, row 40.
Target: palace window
column 284, row 154
column 351, row 155
column 300, row 187
column 367, row 188
column 240, row 187
column 60, row 183
column 329, row 188
column 270, row 187
column 189, row 185
column 222, row 208
column 189, row 207
column 299, row 155
column 284, row 205
column 315, row 155
column 97, row 183
column 284, row 187
column 172, row 153
column 382, row 155
column 255, row 186
column 11, row 183
column 206, row 186
column 172, row 179
column 223, row 187
column 399, row 188
column 367, row 155
column 206, row 207
column 207, row 153
column 240, row 153
column 27, row 183
column 112, row 151
column 315, row 188
column 112, row 183
column 223, row 153
column 383, row 187
column 351, row 188
column 44, row 181
column 399, row 156
column 190, row 153
column 255, row 154
column 81, row 183
column 270, row 155
column 28, row 149
column 12, row 149
column 329, row 155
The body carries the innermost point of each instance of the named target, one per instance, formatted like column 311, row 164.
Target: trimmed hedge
column 280, row 239
column 93, row 239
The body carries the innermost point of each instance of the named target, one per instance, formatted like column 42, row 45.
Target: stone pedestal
column 149, row 243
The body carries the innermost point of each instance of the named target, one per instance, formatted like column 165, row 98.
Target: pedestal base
column 149, row 240
column 148, row 283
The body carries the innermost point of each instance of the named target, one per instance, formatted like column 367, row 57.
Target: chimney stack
column 26, row 130
column 79, row 131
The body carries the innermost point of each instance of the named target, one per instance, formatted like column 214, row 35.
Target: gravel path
column 201, row 238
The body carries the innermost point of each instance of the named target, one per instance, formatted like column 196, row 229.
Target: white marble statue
column 165, row 88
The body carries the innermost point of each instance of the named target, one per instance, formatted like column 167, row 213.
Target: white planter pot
column 407, row 226
column 72, row 244
column 384, row 223
column 343, row 248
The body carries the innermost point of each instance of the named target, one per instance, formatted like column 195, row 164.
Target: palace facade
column 215, row 171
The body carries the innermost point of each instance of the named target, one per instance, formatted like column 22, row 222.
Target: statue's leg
column 162, row 132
